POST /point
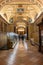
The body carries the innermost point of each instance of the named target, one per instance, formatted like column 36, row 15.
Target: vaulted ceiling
column 28, row 10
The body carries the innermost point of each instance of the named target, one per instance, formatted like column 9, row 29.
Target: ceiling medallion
column 20, row 9
column 30, row 20
column 11, row 20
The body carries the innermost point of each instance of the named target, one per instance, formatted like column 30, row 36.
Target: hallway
column 21, row 55
column 21, row 32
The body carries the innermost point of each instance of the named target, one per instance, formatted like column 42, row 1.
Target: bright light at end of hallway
column 11, row 59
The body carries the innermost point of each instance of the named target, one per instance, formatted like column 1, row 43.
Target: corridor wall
column 33, row 33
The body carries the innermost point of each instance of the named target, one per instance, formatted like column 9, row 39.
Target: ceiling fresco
column 17, row 10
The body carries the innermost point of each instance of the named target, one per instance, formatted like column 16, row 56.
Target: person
column 22, row 38
column 19, row 37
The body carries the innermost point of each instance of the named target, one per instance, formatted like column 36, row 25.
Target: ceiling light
column 21, row 26
column 20, row 29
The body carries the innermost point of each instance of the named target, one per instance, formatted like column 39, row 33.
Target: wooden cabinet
column 3, row 25
column 42, row 40
column 41, row 36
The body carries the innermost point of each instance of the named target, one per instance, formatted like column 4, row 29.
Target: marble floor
column 22, row 54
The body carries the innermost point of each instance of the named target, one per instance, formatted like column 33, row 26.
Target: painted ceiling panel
column 28, row 10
